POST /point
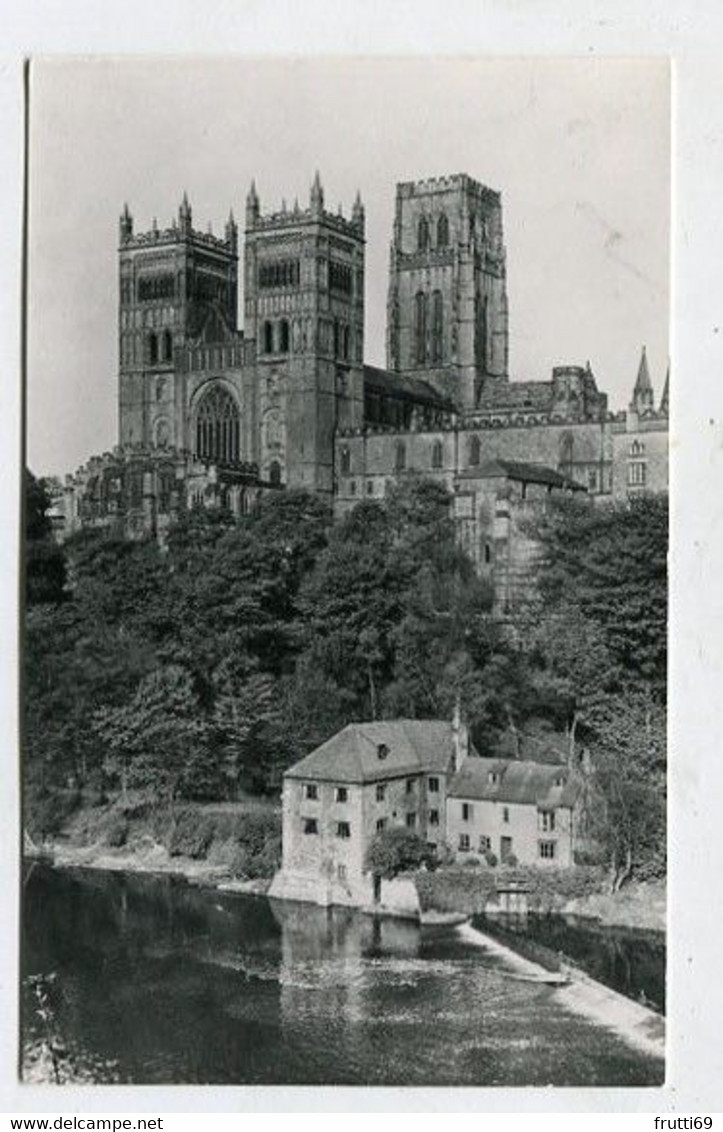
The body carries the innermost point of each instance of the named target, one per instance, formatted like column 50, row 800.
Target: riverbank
column 236, row 846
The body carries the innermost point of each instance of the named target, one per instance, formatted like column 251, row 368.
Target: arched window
column 474, row 451
column 275, row 473
column 442, row 231
column 152, row 349
column 566, row 452
column 283, row 337
column 420, row 327
column 437, row 454
column 218, row 427
column 167, row 346
column 345, row 461
column 400, row 457
column 422, row 235
column 345, row 343
column 637, row 449
column 437, row 326
column 336, row 337
column 268, row 338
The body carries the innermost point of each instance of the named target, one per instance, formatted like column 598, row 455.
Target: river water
column 149, row 980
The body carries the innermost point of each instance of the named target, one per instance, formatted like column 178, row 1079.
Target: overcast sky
column 579, row 149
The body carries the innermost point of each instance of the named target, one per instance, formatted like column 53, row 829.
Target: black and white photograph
column 344, row 636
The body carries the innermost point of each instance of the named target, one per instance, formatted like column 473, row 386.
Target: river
column 149, row 980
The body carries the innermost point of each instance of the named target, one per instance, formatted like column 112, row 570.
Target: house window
column 275, row 473
column 433, row 784
column 505, row 814
column 268, row 338
column 352, row 487
column 546, row 821
column 345, row 461
column 637, row 449
column 592, row 479
column 310, row 825
column 485, row 843
column 167, row 346
column 382, row 750
column 434, row 817
column 493, row 777
column 343, row 830
column 547, row 850
column 637, row 474
column 410, row 785
column 474, row 451
column 381, row 823
column 488, row 554
column 400, row 457
column 152, row 349
column 370, row 487
column 437, row 454
column 411, row 820
column 464, row 842
column 466, row 811
column 341, row 872
column 381, row 792
column 283, row 337
column 310, row 791
column 342, row 794
column 442, row 231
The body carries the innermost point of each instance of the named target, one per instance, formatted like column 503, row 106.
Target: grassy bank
column 235, row 842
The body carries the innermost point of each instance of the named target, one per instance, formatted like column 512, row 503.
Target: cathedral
column 212, row 413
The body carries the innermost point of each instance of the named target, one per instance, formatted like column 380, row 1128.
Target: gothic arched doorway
column 218, row 427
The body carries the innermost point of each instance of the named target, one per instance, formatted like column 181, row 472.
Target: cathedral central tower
column 447, row 304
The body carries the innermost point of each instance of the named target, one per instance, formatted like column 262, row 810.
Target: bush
column 191, row 835
column 47, row 811
column 511, row 861
column 397, row 850
column 471, row 862
column 490, row 858
column 117, row 833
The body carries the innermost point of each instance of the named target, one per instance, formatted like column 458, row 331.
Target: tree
column 397, row 850
column 45, row 572
column 159, row 740
column 626, row 810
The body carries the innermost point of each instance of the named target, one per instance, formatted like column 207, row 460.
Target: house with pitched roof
column 366, row 778
column 518, row 809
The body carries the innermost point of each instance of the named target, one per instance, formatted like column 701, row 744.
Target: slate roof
column 399, row 385
column 522, row 472
column 352, row 755
column 519, row 781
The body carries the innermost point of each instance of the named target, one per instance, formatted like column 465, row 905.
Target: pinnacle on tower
column 252, row 206
column 184, row 215
column 643, row 397
column 317, row 194
column 231, row 230
column 357, row 212
column 664, row 398
column 126, row 224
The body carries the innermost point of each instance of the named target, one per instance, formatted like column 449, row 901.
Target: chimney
column 460, row 737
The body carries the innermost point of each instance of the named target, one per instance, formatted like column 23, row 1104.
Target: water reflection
column 160, row 982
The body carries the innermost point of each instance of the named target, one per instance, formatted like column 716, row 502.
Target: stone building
column 514, row 809
column 367, row 778
column 210, row 412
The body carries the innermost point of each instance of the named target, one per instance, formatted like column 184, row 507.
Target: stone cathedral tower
column 177, row 286
column 447, row 304
column 304, row 307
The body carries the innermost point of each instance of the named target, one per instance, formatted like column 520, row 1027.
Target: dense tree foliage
column 207, row 666
column 44, row 560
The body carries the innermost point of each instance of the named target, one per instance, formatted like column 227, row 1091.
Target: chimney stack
column 460, row 736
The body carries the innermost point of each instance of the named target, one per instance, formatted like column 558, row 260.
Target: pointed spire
column 231, row 231
column 126, row 224
column 252, row 206
column 357, row 212
column 184, row 215
column 664, row 398
column 317, row 195
column 643, row 397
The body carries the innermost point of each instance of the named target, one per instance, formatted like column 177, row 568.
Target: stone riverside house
column 211, row 413
column 366, row 778
column 425, row 776
column 522, row 810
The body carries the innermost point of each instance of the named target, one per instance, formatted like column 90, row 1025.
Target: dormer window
column 493, row 777
column 382, row 750
column 560, row 780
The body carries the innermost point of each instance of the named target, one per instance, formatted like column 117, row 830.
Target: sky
column 579, row 149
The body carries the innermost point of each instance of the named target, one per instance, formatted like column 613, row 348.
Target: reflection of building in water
column 329, row 974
